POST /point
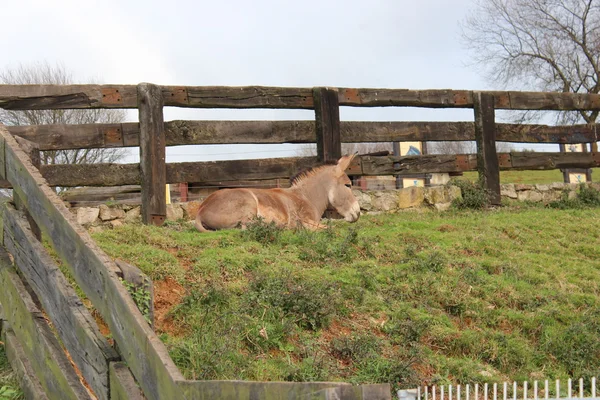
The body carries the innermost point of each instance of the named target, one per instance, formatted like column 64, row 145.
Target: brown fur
column 302, row 204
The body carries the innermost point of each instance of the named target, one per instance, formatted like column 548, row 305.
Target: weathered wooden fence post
column 152, row 153
column 327, row 114
column 485, row 137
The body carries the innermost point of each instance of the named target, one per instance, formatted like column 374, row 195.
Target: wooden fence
column 152, row 134
column 53, row 342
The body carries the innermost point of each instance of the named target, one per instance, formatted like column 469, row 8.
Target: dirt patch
column 167, row 294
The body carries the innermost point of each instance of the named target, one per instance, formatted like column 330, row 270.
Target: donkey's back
column 230, row 208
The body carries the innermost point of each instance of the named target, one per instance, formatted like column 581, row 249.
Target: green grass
column 403, row 298
column 531, row 177
column 9, row 387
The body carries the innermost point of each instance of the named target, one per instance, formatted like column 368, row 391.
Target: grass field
column 407, row 298
column 403, row 298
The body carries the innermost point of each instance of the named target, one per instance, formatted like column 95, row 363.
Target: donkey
column 302, row 204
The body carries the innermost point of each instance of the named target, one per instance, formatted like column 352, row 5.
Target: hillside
column 408, row 298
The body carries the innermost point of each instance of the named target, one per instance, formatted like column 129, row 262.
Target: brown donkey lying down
column 302, row 204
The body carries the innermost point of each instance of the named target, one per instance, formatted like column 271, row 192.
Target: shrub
column 474, row 196
column 587, row 196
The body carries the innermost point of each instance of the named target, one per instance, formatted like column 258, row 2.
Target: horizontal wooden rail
column 68, row 137
column 36, row 97
column 68, row 175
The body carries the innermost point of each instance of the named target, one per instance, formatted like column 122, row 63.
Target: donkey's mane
column 300, row 176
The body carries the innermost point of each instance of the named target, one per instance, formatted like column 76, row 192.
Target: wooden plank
column 19, row 361
column 42, row 349
column 485, row 138
column 77, row 329
column 71, row 175
column 33, row 151
column 208, row 390
column 67, row 137
column 541, row 161
column 410, row 165
column 122, row 383
column 21, row 97
column 447, row 98
column 152, row 154
column 327, row 115
column 95, row 273
column 209, row 171
column 44, row 97
column 244, row 97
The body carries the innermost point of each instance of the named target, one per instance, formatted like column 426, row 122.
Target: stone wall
column 371, row 201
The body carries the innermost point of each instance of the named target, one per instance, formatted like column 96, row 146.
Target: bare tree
column 547, row 45
column 44, row 73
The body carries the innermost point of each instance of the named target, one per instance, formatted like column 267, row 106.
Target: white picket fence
column 504, row 391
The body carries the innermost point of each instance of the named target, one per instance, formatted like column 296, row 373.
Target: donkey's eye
column 348, row 185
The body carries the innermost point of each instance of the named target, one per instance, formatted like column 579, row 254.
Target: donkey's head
column 340, row 194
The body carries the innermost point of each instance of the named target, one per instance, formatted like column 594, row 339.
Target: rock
column 508, row 190
column 410, row 197
column 557, row 186
column 174, row 212
column 87, row 215
column 133, row 214
column 572, row 194
column 110, row 213
column 116, row 223
column 443, row 206
column 542, row 188
column 190, row 209
column 521, row 187
column 551, row 195
column 434, row 195
column 364, row 200
column 385, row 201
column 95, row 229
column 453, row 193
column 529, row 195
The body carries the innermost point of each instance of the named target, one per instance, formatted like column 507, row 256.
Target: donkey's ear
column 345, row 161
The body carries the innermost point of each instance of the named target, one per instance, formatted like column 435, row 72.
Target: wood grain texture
column 244, row 97
column 43, row 351
column 122, row 383
column 77, row 329
column 485, row 138
column 21, row 97
column 152, row 154
column 19, row 361
column 208, row 390
column 327, row 116
column 95, row 273
column 68, row 137
column 44, row 97
column 448, row 98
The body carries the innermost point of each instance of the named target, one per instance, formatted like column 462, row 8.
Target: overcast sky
column 350, row 43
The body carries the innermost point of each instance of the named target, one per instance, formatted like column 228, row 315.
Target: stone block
column 109, row 213
column 174, row 212
column 87, row 215
column 410, row 197
column 385, row 201
column 529, row 195
column 133, row 215
column 508, row 190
